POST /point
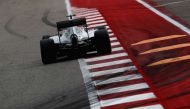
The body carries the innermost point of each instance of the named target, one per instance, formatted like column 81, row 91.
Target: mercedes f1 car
column 74, row 38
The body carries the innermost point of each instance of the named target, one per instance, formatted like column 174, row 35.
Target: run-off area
column 112, row 81
column 157, row 44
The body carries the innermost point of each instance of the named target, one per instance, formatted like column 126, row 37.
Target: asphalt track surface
column 25, row 83
column 178, row 8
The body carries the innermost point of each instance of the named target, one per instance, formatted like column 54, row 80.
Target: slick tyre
column 48, row 51
column 101, row 28
column 102, row 42
column 46, row 37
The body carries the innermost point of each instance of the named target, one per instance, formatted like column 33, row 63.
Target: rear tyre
column 48, row 51
column 46, row 37
column 101, row 28
column 102, row 41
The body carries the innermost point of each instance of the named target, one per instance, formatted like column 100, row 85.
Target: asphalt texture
column 179, row 8
column 25, row 83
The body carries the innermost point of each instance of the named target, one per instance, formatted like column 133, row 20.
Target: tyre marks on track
column 112, row 81
column 46, row 20
column 10, row 30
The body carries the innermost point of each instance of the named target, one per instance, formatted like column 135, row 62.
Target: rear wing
column 70, row 23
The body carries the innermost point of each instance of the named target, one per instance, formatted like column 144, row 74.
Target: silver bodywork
column 74, row 39
column 65, row 37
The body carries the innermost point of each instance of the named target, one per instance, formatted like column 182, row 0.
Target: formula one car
column 74, row 38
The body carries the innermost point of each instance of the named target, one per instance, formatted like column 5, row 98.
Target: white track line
column 96, row 25
column 172, row 3
column 84, row 10
column 113, row 71
column 94, row 19
column 113, row 38
column 117, row 49
column 117, row 79
column 94, row 16
column 106, row 57
column 123, row 89
column 107, row 27
column 91, row 91
column 167, row 18
column 109, row 63
column 97, row 21
column 115, row 43
column 111, row 34
column 89, row 14
column 127, row 99
column 109, row 30
column 68, row 7
column 90, row 17
column 89, row 84
column 156, row 106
